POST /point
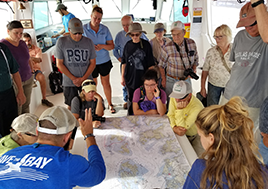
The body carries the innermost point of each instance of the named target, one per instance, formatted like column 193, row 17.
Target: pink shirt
column 37, row 53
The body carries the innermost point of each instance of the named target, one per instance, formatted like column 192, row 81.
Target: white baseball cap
column 25, row 123
column 178, row 25
column 181, row 89
column 61, row 118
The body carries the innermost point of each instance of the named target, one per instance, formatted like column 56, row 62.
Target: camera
column 98, row 118
column 191, row 73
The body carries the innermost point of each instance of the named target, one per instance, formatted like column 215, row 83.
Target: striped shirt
column 171, row 59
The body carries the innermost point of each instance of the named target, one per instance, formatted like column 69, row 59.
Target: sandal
column 112, row 110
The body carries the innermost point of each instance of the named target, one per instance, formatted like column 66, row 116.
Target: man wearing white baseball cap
column 23, row 133
column 179, row 57
column 183, row 110
column 46, row 164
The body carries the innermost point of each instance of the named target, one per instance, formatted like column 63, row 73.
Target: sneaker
column 125, row 105
column 47, row 103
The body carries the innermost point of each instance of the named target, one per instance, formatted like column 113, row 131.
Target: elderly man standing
column 250, row 54
column 119, row 43
column 76, row 58
column 179, row 57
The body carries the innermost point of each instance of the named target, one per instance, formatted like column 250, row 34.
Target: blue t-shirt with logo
column 101, row 37
column 45, row 167
column 66, row 19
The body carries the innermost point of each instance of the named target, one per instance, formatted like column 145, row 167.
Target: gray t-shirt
column 76, row 56
column 249, row 73
column 78, row 108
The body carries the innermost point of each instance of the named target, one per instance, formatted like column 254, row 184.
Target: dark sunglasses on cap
column 137, row 34
column 254, row 23
column 88, row 83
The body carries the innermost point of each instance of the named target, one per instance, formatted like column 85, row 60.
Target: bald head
column 126, row 21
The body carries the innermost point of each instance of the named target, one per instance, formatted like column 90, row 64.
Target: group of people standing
column 152, row 72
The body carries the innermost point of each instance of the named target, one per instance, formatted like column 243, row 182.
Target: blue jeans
column 125, row 97
column 214, row 94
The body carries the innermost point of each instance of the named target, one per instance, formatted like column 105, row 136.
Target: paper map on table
column 141, row 152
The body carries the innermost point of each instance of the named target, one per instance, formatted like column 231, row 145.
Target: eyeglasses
column 218, row 37
column 152, row 85
column 88, row 83
column 28, row 134
column 135, row 34
column 78, row 33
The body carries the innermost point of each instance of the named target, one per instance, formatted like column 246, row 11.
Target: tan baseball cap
column 25, row 123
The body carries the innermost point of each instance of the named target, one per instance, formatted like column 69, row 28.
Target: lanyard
column 187, row 52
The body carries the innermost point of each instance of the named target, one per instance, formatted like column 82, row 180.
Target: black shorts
column 102, row 69
column 70, row 93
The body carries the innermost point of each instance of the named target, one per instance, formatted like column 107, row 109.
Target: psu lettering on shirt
column 77, row 55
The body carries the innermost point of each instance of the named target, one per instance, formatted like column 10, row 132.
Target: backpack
column 55, row 82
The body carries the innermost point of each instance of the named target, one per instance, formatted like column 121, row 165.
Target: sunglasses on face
column 135, row 34
column 78, row 33
column 88, row 83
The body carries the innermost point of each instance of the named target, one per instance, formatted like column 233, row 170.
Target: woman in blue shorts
column 103, row 41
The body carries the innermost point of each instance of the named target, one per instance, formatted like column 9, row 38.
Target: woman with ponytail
column 229, row 160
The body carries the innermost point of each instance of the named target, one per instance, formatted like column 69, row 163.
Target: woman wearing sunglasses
column 137, row 58
column 88, row 98
column 149, row 99
column 230, row 159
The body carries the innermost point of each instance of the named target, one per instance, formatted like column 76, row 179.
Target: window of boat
column 45, row 14
column 6, row 16
column 142, row 10
column 172, row 11
column 40, row 15
column 218, row 15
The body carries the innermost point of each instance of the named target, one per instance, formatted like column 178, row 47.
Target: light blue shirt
column 101, row 37
column 65, row 21
column 120, row 41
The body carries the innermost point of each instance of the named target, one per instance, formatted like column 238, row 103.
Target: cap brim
column 135, row 31
column 76, row 30
column 175, row 95
column 243, row 22
column 159, row 29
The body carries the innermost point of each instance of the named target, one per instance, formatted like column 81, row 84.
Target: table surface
column 140, row 152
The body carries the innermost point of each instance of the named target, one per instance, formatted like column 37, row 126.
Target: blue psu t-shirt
column 66, row 19
column 45, row 167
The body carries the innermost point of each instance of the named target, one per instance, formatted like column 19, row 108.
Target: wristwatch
column 157, row 97
column 257, row 3
column 89, row 135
